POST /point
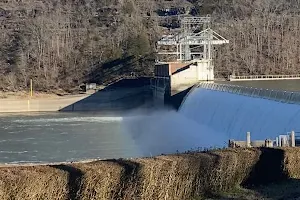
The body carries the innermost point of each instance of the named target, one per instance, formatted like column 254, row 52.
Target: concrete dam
column 233, row 114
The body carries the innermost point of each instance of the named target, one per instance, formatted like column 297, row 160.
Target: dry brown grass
column 39, row 182
column 292, row 162
column 100, row 180
column 182, row 176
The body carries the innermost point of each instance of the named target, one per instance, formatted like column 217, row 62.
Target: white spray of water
column 72, row 119
column 165, row 131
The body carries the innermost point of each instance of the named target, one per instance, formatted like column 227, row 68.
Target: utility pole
column 31, row 88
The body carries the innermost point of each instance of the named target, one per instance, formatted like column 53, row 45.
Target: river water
column 58, row 137
column 285, row 85
column 64, row 137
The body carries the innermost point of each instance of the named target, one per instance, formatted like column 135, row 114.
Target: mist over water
column 210, row 118
column 167, row 131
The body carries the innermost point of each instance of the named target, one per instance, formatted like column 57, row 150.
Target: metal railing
column 275, row 95
column 264, row 77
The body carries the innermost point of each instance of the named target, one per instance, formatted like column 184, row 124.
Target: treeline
column 61, row 44
column 66, row 43
column 264, row 36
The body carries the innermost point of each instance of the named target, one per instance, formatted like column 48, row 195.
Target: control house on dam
column 184, row 59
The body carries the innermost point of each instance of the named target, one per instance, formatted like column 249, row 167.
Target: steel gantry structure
column 195, row 40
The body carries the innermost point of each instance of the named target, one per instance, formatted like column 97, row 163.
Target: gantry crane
column 194, row 42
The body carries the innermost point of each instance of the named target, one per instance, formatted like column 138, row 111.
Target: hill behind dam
column 62, row 44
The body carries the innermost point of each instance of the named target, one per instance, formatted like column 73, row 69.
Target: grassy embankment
column 215, row 174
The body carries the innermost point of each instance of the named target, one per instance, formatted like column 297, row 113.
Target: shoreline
column 119, row 98
column 25, row 95
column 34, row 164
column 14, row 105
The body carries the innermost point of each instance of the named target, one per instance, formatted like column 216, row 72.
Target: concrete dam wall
column 123, row 95
column 232, row 115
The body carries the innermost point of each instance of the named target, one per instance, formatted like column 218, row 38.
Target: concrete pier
column 269, row 143
column 248, row 144
column 288, row 140
column 175, row 79
column 292, row 139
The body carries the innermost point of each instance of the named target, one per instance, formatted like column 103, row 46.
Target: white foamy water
column 166, row 131
column 72, row 119
column 62, row 137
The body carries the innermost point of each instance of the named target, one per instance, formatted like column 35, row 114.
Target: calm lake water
column 60, row 137
column 286, row 85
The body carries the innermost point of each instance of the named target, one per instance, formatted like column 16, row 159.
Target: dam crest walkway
column 275, row 95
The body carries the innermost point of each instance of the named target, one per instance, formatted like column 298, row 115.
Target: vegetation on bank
column 62, row 44
column 213, row 174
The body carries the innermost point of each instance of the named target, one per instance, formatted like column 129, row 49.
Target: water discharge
column 207, row 118
column 233, row 115
column 166, row 131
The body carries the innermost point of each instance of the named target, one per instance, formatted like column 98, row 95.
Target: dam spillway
column 234, row 113
column 208, row 117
